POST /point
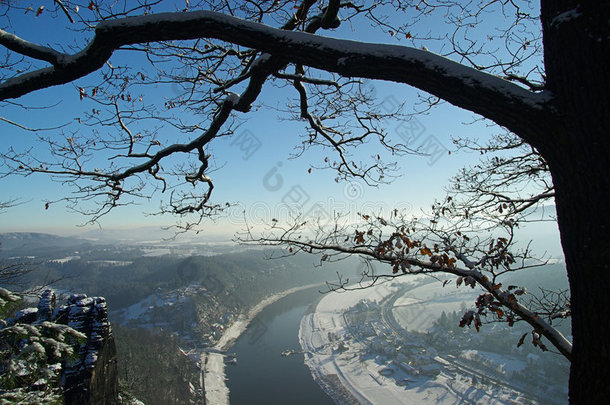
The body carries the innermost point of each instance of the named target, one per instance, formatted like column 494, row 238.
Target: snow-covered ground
column 418, row 308
column 137, row 310
column 111, row 263
column 139, row 313
column 65, row 259
column 341, row 361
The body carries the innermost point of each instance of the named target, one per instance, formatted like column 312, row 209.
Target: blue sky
column 259, row 179
column 242, row 173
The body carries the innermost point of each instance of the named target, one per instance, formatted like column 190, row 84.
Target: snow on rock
column 46, row 305
column 27, row 315
column 81, row 327
column 92, row 375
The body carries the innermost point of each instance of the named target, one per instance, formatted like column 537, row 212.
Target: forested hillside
column 162, row 305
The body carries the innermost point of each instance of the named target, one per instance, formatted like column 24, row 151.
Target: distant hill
column 31, row 241
column 550, row 276
column 147, row 234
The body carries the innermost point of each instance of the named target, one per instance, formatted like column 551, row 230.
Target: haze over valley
column 188, row 316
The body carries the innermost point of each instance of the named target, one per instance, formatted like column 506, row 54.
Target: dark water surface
column 263, row 375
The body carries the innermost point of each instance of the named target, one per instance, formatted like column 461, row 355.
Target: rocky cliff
column 90, row 376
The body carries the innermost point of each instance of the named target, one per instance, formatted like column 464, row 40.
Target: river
column 263, row 375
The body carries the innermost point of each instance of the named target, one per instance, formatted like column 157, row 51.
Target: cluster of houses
column 393, row 349
column 217, row 329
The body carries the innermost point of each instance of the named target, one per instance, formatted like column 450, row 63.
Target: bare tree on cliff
column 549, row 87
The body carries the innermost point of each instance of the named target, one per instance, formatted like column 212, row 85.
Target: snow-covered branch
column 492, row 97
column 19, row 45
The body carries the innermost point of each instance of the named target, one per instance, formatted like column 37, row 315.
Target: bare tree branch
column 490, row 96
column 411, row 247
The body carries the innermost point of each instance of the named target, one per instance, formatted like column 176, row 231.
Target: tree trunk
column 584, row 224
column 577, row 148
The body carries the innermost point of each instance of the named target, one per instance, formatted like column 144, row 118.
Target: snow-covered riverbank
column 213, row 365
column 342, row 377
column 380, row 364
